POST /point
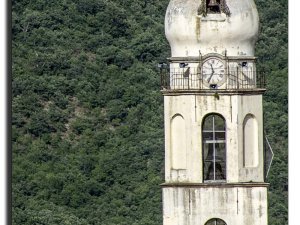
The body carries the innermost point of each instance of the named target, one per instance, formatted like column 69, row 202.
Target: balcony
column 235, row 79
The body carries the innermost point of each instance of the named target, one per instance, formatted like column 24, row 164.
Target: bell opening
column 213, row 6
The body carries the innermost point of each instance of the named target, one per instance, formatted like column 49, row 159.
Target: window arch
column 215, row 221
column 214, row 148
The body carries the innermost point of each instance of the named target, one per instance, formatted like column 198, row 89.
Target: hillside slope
column 88, row 140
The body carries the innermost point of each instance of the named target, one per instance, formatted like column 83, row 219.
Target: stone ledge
column 215, row 185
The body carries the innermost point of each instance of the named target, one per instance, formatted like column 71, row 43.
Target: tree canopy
column 87, row 121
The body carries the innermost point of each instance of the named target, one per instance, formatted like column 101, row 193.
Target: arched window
column 215, row 221
column 214, row 148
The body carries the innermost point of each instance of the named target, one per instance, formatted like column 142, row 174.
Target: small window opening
column 213, row 6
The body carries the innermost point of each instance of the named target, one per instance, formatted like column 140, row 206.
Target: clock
column 213, row 72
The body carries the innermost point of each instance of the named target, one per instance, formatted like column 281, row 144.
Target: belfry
column 214, row 157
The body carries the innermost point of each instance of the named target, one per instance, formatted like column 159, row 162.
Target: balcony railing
column 192, row 79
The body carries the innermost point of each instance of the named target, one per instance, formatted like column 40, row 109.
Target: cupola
column 211, row 26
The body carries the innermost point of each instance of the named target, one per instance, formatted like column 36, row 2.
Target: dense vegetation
column 272, row 50
column 88, row 115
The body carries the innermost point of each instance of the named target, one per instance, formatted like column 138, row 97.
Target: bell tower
column 214, row 160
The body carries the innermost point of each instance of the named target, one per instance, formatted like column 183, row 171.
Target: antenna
column 269, row 155
column 200, row 56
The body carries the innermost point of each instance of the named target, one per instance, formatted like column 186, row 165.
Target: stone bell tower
column 214, row 160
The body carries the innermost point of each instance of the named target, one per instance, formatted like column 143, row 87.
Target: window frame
column 214, row 141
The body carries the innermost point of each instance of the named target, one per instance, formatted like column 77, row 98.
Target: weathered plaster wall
column 192, row 109
column 234, row 205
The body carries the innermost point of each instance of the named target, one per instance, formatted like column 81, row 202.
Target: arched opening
column 214, row 148
column 215, row 221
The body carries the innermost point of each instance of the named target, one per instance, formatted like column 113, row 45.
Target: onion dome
column 211, row 26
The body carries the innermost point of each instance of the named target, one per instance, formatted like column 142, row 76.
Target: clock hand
column 211, row 74
column 210, row 78
column 212, row 68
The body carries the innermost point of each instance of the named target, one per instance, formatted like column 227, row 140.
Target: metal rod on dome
column 200, row 70
column 237, row 77
column 227, row 66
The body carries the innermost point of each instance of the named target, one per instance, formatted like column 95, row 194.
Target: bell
column 213, row 6
column 213, row 3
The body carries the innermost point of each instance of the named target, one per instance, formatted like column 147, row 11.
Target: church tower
column 214, row 158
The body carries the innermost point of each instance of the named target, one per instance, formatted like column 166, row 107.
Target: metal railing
column 192, row 79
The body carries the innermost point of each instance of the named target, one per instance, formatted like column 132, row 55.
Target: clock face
column 213, row 71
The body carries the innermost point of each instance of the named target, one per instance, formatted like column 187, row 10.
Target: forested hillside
column 88, row 140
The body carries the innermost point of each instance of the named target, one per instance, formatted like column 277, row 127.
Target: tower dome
column 211, row 26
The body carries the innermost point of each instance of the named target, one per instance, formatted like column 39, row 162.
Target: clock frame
column 213, row 72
